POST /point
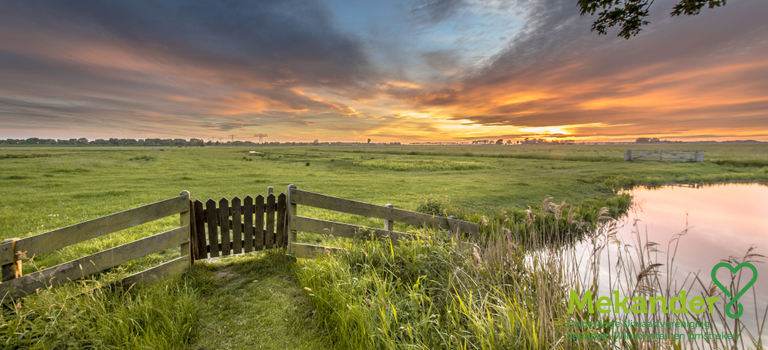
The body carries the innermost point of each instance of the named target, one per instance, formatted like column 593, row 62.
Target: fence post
column 290, row 210
column 699, row 156
column 389, row 224
column 185, row 248
column 11, row 265
column 270, row 190
column 628, row 155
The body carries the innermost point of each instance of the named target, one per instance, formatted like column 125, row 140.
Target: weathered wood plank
column 185, row 218
column 248, row 223
column 338, row 229
column 259, row 224
column 213, row 227
column 281, row 237
column 158, row 273
column 79, row 268
column 389, row 225
column 202, row 250
column 192, row 231
column 237, row 239
column 308, row 251
column 290, row 211
column 66, row 236
column 270, row 233
column 226, row 243
column 11, row 267
column 9, row 272
column 375, row 211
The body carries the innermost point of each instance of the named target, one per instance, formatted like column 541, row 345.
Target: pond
column 719, row 222
column 722, row 221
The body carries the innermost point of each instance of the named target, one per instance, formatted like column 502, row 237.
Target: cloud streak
column 295, row 70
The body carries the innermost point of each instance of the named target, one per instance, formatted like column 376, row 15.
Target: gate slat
column 248, row 221
column 280, row 235
column 226, row 244
column 202, row 251
column 213, row 227
column 270, row 239
column 236, row 227
column 259, row 223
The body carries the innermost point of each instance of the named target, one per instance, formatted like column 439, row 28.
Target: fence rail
column 665, row 156
column 379, row 212
column 13, row 251
column 388, row 213
column 338, row 229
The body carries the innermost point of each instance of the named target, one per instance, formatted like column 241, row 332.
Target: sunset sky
column 409, row 71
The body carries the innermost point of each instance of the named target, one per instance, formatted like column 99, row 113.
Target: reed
column 501, row 292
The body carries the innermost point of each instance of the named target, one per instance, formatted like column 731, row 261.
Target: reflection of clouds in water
column 719, row 222
column 722, row 221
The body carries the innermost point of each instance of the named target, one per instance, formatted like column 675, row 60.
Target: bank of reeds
column 501, row 293
column 554, row 223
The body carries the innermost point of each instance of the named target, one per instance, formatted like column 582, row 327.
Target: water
column 720, row 222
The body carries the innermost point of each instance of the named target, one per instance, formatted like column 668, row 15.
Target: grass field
column 45, row 188
column 48, row 188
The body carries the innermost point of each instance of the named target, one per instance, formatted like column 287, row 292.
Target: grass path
column 254, row 302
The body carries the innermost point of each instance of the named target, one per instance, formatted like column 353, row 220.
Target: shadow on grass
column 254, row 302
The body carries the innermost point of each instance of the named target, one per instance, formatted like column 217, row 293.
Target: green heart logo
column 741, row 292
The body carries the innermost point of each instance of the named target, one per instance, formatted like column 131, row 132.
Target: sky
column 389, row 71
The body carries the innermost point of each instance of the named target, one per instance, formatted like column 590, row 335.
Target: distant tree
column 369, row 140
column 630, row 14
column 499, row 142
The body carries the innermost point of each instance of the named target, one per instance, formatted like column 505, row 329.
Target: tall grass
column 89, row 315
column 496, row 293
column 551, row 222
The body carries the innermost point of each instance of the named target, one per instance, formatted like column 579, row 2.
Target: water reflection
column 719, row 221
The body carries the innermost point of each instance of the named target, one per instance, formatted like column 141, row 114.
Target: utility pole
column 233, row 138
column 261, row 137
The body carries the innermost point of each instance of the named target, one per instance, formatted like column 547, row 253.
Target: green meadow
column 267, row 298
column 45, row 188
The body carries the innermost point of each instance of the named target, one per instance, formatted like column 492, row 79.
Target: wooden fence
column 205, row 231
column 665, row 156
column 388, row 213
column 242, row 227
column 12, row 251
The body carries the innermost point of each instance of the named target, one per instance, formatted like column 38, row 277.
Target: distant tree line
column 491, row 142
column 108, row 142
column 164, row 142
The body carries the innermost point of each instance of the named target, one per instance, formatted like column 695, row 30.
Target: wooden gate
column 238, row 227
